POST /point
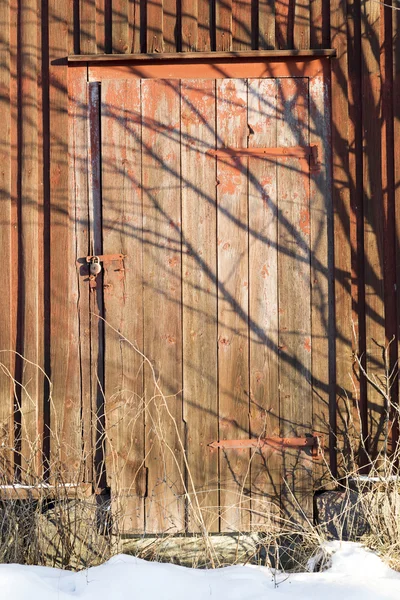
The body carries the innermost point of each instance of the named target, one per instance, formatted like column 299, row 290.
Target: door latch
column 95, row 263
column 95, row 266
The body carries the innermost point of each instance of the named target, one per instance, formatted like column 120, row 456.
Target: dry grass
column 371, row 505
column 56, row 523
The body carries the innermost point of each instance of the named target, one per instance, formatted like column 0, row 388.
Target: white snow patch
column 355, row 574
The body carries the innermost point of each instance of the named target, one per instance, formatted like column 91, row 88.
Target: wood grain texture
column 190, row 25
column 373, row 213
column 284, row 22
column 344, row 176
column 263, row 302
column 233, row 282
column 301, row 32
column 135, row 29
column 356, row 165
column 324, row 21
column 171, row 35
column 165, row 505
column 205, row 28
column 122, row 233
column 78, row 192
column 294, row 312
column 204, row 58
column 120, row 26
column 102, row 33
column 7, row 359
column 396, row 134
column 242, row 25
column 266, row 24
column 223, row 25
column 65, row 411
column 388, row 198
column 199, row 297
column 88, row 20
column 322, row 283
column 155, row 23
column 30, row 239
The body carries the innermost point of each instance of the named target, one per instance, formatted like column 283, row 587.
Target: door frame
column 85, row 75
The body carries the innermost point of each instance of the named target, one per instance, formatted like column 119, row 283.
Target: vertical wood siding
column 41, row 304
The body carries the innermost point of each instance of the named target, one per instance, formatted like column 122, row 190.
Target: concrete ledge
column 194, row 550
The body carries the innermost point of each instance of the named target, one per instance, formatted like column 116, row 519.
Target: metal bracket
column 314, row 442
column 84, row 262
column 106, row 257
column 302, row 152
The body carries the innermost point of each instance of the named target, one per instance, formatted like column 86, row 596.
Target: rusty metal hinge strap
column 302, row 152
column 314, row 442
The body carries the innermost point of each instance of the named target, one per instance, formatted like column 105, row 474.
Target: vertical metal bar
column 96, row 301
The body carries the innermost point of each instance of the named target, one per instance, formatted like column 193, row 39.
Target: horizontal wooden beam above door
column 202, row 56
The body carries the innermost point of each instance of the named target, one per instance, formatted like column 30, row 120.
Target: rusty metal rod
column 294, row 442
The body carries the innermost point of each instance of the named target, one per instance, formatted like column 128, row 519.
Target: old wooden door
column 213, row 182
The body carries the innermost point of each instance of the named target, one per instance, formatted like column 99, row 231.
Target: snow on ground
column 355, row 574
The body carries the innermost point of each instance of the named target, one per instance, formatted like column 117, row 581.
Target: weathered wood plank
column 266, row 466
column 250, row 55
column 171, row 35
column 120, row 26
column 294, row 310
column 223, row 25
column 242, row 22
column 266, row 24
column 39, row 492
column 326, row 18
column 199, row 300
column 190, row 14
column 155, row 42
column 284, row 22
column 388, row 193
column 204, row 25
column 14, row 182
column 136, row 33
column 65, row 410
column 356, row 235
column 342, row 178
column 322, row 284
column 232, row 239
column 301, row 31
column 78, row 191
column 103, row 42
column 396, row 136
column 122, row 233
column 373, row 213
column 162, row 303
column 30, row 240
column 7, row 359
column 88, row 26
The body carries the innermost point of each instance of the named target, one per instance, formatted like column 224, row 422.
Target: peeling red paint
column 169, row 338
column 259, row 376
column 305, row 221
column 173, row 262
column 307, row 344
column 264, row 272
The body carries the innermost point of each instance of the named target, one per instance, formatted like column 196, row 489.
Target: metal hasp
column 95, row 267
column 105, row 257
column 314, row 442
column 303, row 152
